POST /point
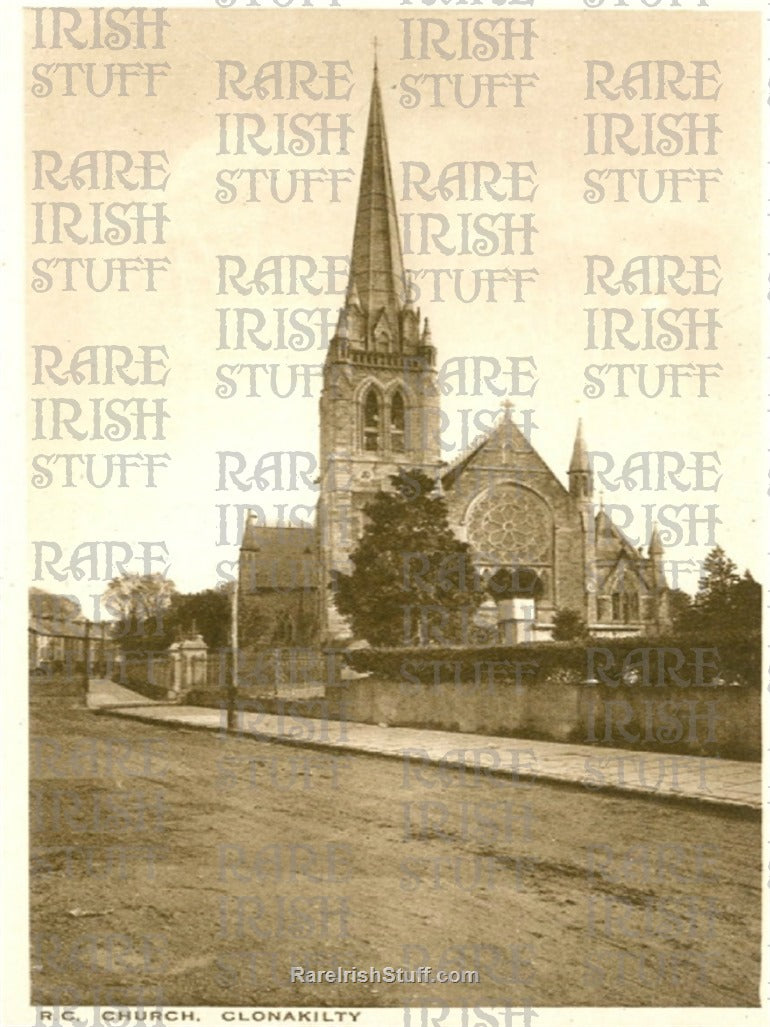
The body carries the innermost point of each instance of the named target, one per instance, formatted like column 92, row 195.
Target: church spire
column 377, row 266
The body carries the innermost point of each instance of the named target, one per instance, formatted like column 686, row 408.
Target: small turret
column 427, row 337
column 342, row 326
column 409, row 306
column 656, row 546
column 352, row 300
column 656, row 551
column 581, row 480
column 659, row 584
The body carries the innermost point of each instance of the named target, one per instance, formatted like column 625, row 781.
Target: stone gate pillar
column 194, row 660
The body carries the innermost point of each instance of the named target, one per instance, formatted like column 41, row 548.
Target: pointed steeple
column 377, row 265
column 656, row 546
column 579, row 461
column 581, row 480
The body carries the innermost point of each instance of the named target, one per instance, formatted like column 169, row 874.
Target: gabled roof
column 60, row 628
column 283, row 557
column 608, row 532
column 504, row 436
column 635, row 563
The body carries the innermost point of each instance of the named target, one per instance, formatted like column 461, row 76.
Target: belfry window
column 372, row 421
column 397, row 423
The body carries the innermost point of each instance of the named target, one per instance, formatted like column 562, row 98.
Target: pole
column 232, row 685
column 85, row 661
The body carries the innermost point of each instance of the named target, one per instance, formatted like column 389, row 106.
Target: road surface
column 178, row 867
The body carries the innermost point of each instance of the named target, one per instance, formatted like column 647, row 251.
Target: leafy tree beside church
column 412, row 580
column 725, row 600
column 149, row 613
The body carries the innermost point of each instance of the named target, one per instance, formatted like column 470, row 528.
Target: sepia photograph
column 391, row 421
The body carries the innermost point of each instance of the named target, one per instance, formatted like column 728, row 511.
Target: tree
column 140, row 604
column 724, row 599
column 568, row 626
column 57, row 609
column 717, row 581
column 681, row 610
column 208, row 612
column 412, row 580
column 747, row 604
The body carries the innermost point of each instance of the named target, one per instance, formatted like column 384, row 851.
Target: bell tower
column 379, row 407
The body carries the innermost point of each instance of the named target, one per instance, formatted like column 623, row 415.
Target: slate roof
column 60, row 628
column 283, row 557
column 504, row 434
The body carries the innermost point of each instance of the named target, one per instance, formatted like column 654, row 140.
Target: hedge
column 135, row 676
column 731, row 658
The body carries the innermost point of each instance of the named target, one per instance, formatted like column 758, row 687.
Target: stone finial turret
column 579, row 461
column 581, row 480
column 351, row 299
column 409, row 295
column 342, row 325
column 655, row 552
column 656, row 546
column 427, row 337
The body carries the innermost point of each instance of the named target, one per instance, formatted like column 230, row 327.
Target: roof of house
column 283, row 557
column 58, row 628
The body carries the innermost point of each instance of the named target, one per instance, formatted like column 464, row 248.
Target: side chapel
column 379, row 410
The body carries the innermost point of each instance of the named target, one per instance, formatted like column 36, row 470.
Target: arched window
column 397, row 422
column 372, row 421
column 625, row 607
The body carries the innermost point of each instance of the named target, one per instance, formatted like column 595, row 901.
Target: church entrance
column 516, row 591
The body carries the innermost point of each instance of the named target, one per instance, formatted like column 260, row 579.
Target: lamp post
column 85, row 660
column 232, row 684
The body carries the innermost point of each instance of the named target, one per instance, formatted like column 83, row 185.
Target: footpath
column 656, row 776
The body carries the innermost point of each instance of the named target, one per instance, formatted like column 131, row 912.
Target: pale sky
column 549, row 327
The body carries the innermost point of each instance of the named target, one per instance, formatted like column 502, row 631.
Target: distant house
column 58, row 646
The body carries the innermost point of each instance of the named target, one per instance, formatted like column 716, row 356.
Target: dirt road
column 182, row 867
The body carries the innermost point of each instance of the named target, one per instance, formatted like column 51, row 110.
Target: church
column 380, row 411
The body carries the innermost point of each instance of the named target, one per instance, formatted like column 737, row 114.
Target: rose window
column 512, row 525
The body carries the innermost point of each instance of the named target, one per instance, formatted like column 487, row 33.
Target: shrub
column 730, row 658
column 568, row 625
